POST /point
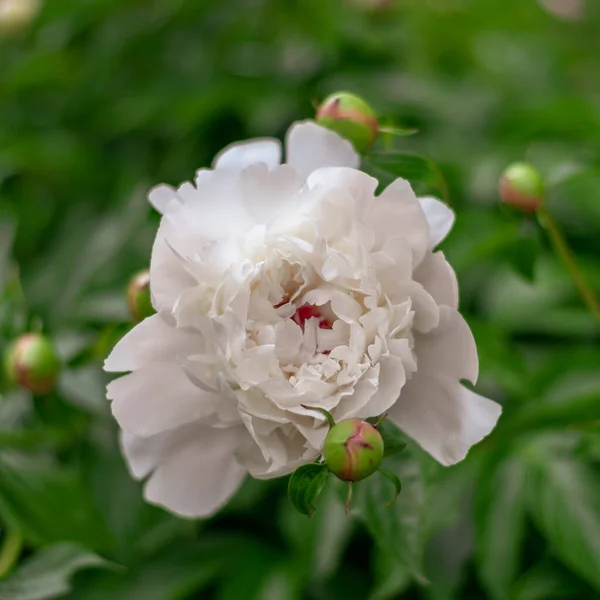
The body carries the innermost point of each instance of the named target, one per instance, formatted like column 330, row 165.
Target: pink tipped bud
column 351, row 117
column 522, row 186
column 32, row 363
column 353, row 450
column 138, row 295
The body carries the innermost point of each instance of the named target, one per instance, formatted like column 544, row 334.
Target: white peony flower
column 283, row 286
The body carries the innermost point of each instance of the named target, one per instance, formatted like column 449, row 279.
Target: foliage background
column 100, row 99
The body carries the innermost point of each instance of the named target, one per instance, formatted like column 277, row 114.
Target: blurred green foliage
column 100, row 99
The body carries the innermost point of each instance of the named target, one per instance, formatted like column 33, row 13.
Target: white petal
column 444, row 417
column 196, row 479
column 161, row 196
column 168, row 275
column 357, row 183
column 153, row 340
column 310, row 147
column 241, row 155
column 397, row 212
column 440, row 218
column 449, row 349
column 391, row 379
column 157, row 398
column 439, row 279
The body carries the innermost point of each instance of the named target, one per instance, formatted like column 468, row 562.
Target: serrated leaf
column 306, row 483
column 48, row 504
column 563, row 498
column 47, row 573
column 500, row 522
column 393, row 439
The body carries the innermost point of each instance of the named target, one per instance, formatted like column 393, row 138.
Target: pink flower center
column 310, row 311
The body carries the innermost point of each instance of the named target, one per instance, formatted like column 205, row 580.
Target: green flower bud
column 351, row 117
column 138, row 295
column 353, row 450
column 32, row 363
column 522, row 186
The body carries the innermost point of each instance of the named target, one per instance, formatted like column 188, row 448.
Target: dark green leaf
column 395, row 481
column 394, row 440
column 563, row 497
column 47, row 573
column 306, row 483
column 48, row 504
column 500, row 522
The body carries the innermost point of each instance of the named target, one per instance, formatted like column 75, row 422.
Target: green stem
column 324, row 412
column 10, row 551
column 566, row 255
column 348, row 497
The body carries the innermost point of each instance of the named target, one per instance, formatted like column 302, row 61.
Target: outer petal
column 437, row 277
column 157, row 398
column 241, row 155
column 444, row 417
column 449, row 349
column 440, row 218
column 153, row 340
column 198, row 477
column 161, row 196
column 310, row 146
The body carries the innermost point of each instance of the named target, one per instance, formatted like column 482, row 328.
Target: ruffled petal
column 197, row 478
column 310, row 147
column 440, row 218
column 443, row 416
column 243, row 154
column 153, row 340
column 157, row 398
column 438, row 278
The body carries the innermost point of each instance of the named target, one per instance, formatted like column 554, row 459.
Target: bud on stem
column 522, row 186
column 138, row 295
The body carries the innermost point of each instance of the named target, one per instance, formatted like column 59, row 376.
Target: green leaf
column 392, row 164
column 500, row 520
column 393, row 439
column 306, row 483
column 563, row 498
column 549, row 580
column 48, row 504
column 47, row 573
column 396, row 531
column 522, row 255
column 7, row 235
column 395, row 481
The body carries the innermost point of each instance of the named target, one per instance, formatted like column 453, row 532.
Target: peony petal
column 157, row 398
column 241, row 155
column 168, row 275
column 440, row 218
column 161, row 196
column 397, row 212
column 391, row 379
column 198, row 477
column 310, row 147
column 444, row 417
column 153, row 340
column 360, row 185
column 438, row 278
column 449, row 349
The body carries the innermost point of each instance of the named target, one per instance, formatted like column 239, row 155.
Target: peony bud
column 16, row 14
column 351, row 117
column 522, row 186
column 138, row 294
column 33, row 363
column 353, row 450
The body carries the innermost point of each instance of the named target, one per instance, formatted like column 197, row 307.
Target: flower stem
column 348, row 497
column 566, row 255
column 10, row 551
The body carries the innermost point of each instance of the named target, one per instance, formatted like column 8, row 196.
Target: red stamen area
column 310, row 311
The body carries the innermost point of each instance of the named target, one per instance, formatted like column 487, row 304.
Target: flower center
column 310, row 311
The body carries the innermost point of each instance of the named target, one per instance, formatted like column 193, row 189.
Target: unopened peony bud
column 522, row 186
column 353, row 450
column 351, row 117
column 138, row 295
column 33, row 363
column 16, row 14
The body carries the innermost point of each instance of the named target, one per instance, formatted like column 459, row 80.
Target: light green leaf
column 500, row 522
column 394, row 440
column 306, row 483
column 563, row 498
column 47, row 573
column 48, row 504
